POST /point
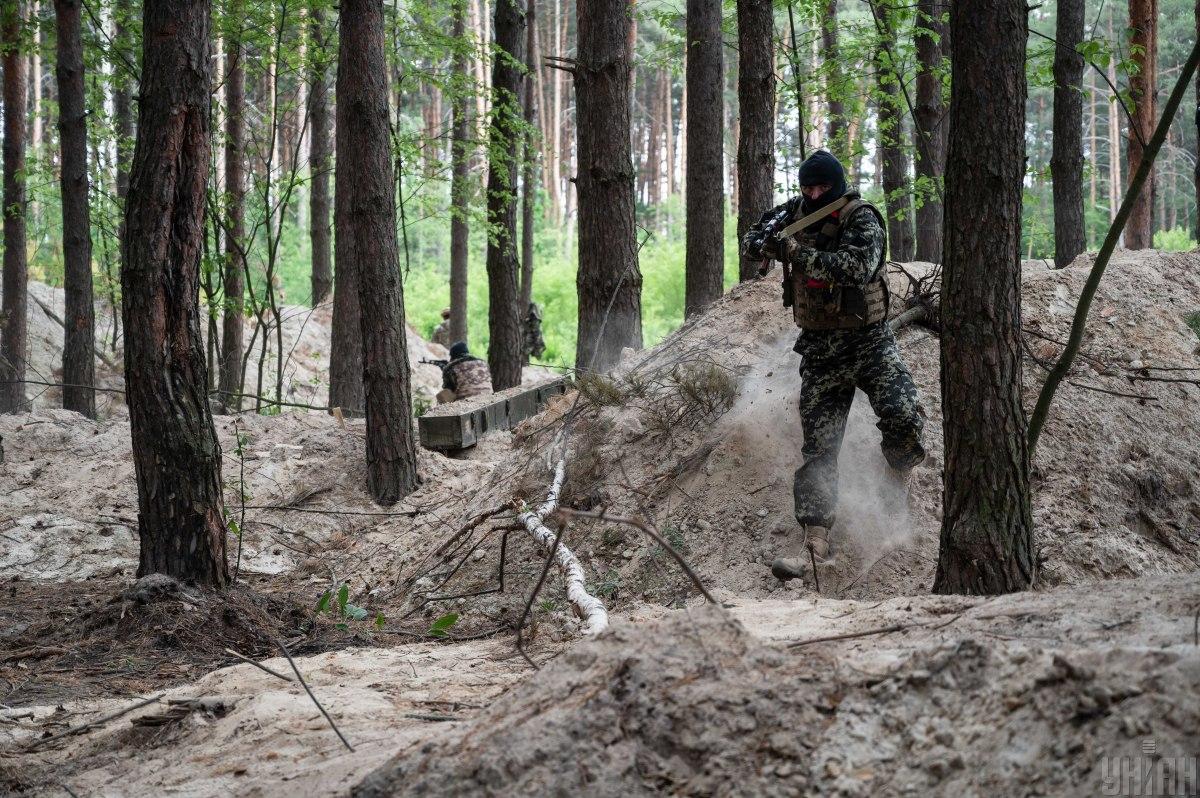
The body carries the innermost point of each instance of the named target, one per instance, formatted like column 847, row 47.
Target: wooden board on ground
column 458, row 425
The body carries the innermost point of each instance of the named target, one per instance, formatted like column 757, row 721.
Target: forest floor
column 1034, row 693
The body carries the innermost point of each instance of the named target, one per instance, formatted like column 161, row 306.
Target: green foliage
column 442, row 626
column 1176, row 240
column 1193, row 321
column 338, row 604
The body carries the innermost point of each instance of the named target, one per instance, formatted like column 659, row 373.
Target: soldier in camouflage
column 463, row 376
column 833, row 279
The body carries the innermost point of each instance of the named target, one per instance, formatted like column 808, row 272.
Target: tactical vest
column 834, row 307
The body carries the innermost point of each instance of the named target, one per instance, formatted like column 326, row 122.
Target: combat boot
column 797, row 563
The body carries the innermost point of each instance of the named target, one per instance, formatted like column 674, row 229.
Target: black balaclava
column 458, row 350
column 821, row 168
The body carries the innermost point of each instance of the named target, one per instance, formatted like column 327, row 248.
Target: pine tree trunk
column 79, row 371
column 365, row 213
column 1114, row 139
column 14, row 335
column 931, row 126
column 346, row 346
column 503, row 267
column 1066, row 160
column 1143, row 44
column 987, row 529
column 836, row 141
column 528, row 162
column 897, row 199
column 609, row 281
column 705, row 200
column 756, row 103
column 229, row 383
column 122, row 97
column 319, row 160
column 460, row 175
column 176, row 454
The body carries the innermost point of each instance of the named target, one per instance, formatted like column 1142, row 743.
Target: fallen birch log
column 590, row 608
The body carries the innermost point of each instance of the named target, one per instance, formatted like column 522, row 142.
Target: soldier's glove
column 772, row 248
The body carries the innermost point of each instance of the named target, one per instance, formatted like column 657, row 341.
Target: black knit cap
column 458, row 350
column 821, row 168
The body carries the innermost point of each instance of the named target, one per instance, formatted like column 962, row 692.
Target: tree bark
column 987, row 529
column 460, row 176
column 176, row 454
column 229, row 382
column 503, row 267
column 756, row 103
column 319, row 160
column 14, row 339
column 365, row 212
column 528, row 163
column 897, row 199
column 609, row 281
column 1066, row 159
column 929, row 118
column 833, row 77
column 1196, row 171
column 704, row 162
column 123, row 100
column 1143, row 21
column 79, row 370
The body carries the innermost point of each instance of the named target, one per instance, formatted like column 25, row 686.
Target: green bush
column 1176, row 240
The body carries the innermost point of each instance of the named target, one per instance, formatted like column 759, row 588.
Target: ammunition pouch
column 838, row 307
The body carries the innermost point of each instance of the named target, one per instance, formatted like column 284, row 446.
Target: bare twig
column 259, row 665
column 304, row 684
column 91, row 724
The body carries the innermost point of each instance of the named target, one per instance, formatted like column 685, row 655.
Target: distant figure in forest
column 463, row 376
column 441, row 333
column 832, row 247
column 535, row 345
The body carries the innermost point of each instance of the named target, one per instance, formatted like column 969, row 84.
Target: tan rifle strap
column 815, row 216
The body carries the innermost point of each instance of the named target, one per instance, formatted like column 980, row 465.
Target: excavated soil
column 1016, row 695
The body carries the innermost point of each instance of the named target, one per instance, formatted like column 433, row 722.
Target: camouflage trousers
column 835, row 363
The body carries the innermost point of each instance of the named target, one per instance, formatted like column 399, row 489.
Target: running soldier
column 832, row 245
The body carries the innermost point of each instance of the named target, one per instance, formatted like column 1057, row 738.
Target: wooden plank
column 458, row 425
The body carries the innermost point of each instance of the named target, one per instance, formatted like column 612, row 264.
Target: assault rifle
column 439, row 363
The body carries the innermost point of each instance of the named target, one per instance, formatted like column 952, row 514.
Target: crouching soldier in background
column 463, row 376
column 441, row 333
column 832, row 245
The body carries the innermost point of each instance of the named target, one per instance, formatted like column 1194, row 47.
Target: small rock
column 627, row 554
column 478, row 555
column 704, row 526
column 762, row 513
column 1136, row 364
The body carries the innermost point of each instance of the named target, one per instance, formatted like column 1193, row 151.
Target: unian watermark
column 1150, row 774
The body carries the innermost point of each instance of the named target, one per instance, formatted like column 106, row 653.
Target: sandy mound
column 1114, row 479
column 306, row 336
column 694, row 705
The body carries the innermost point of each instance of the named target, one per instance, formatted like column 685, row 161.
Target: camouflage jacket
column 441, row 334
column 467, row 376
column 849, row 259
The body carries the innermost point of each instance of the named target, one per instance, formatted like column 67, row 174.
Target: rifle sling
column 815, row 216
